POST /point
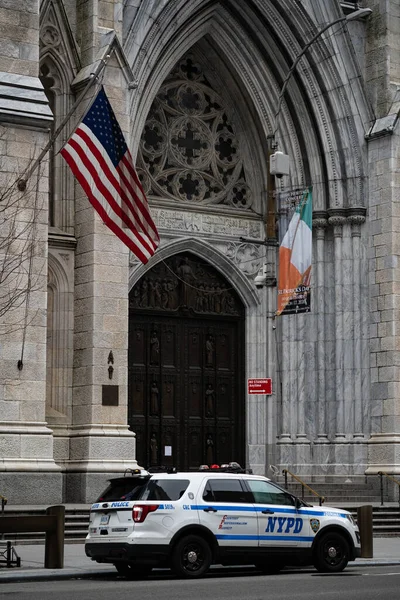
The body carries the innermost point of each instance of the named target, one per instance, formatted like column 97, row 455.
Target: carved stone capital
column 320, row 223
column 356, row 217
column 337, row 218
column 320, row 219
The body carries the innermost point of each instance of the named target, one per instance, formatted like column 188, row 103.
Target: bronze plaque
column 110, row 395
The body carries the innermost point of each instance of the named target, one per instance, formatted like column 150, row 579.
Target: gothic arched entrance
column 186, row 355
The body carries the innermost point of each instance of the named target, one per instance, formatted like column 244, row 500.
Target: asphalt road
column 374, row 583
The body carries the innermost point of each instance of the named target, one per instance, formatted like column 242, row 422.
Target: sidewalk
column 386, row 551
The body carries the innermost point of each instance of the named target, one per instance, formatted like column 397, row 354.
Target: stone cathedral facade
column 106, row 363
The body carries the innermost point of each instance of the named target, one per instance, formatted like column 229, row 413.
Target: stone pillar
column 257, row 336
column 28, row 473
column 384, row 211
column 320, row 223
column 285, row 442
column 321, row 443
column 100, row 442
column 382, row 77
column 337, row 220
column 356, row 219
column 87, row 29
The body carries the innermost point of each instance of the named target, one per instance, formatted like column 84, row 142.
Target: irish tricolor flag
column 295, row 260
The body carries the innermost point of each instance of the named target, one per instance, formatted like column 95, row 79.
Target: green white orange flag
column 295, row 254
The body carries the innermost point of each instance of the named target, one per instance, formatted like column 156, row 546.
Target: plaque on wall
column 110, row 395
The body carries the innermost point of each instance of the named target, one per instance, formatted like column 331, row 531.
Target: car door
column 280, row 522
column 226, row 509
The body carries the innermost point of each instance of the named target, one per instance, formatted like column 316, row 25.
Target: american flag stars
column 102, row 121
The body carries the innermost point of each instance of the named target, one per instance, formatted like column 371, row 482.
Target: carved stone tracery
column 189, row 148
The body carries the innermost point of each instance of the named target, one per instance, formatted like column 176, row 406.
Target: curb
column 71, row 573
column 59, row 574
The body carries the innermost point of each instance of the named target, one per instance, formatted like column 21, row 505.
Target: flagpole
column 22, row 181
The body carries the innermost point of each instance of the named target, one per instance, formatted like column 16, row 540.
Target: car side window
column 266, row 493
column 164, row 489
column 225, row 490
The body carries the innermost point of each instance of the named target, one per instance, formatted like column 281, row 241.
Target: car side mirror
column 297, row 502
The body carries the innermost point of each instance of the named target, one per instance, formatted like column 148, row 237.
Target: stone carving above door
column 185, row 282
column 189, row 149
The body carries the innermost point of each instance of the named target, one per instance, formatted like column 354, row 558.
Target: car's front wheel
column 332, row 553
column 191, row 557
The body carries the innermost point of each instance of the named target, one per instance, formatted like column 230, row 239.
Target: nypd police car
column 189, row 521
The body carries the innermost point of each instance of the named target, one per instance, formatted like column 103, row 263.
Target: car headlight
column 351, row 519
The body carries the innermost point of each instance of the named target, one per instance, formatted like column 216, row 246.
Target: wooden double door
column 186, row 390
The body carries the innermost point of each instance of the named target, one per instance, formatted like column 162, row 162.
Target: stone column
column 100, row 442
column 384, row 343
column 28, row 473
column 356, row 220
column 321, row 443
column 87, row 29
column 320, row 223
column 257, row 337
column 337, row 220
column 302, row 443
column 285, row 443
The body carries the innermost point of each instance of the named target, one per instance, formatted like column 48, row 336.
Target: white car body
column 224, row 518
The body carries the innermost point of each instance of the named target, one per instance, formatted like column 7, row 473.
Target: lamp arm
column 294, row 65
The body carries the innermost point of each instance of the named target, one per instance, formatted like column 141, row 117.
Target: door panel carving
column 186, row 384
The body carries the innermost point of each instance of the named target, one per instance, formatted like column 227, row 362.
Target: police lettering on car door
column 280, row 523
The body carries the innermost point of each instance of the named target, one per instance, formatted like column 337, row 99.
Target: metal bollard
column 364, row 520
column 54, row 545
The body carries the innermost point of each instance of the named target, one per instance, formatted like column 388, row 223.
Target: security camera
column 261, row 278
column 279, row 164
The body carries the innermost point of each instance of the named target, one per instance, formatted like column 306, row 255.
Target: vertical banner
column 295, row 252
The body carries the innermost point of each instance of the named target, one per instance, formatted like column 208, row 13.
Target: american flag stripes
column 100, row 160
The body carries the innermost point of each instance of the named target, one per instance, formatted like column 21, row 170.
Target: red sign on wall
column 260, row 386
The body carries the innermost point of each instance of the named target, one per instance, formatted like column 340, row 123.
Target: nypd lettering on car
column 284, row 525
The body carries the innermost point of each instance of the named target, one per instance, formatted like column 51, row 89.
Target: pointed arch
column 258, row 44
column 59, row 63
column 59, row 340
column 239, row 282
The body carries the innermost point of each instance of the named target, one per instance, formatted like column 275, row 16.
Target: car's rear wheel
column 332, row 553
column 132, row 571
column 191, row 557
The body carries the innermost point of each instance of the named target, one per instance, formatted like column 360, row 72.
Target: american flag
column 100, row 160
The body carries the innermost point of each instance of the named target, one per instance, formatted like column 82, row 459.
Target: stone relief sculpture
column 144, row 300
column 154, row 349
column 209, row 351
column 184, row 281
column 154, row 399
column 153, row 449
column 210, row 400
column 209, row 449
column 186, row 276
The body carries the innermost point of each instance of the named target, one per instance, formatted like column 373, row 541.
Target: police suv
column 189, row 521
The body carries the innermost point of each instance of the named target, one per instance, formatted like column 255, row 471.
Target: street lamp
column 278, row 162
column 353, row 16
